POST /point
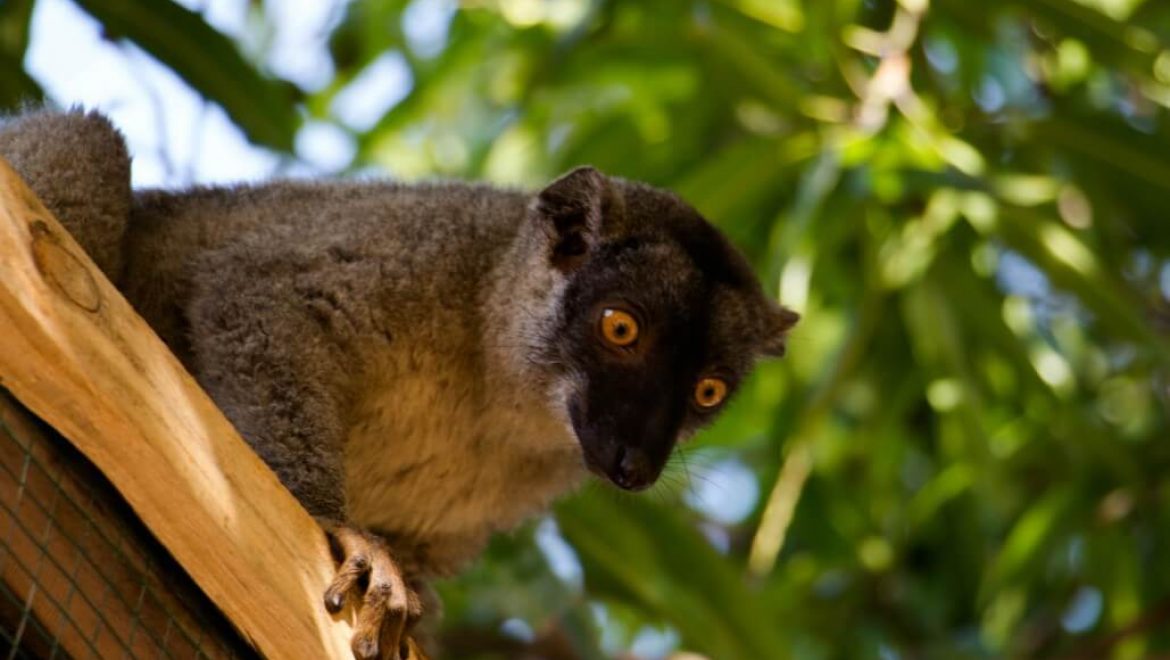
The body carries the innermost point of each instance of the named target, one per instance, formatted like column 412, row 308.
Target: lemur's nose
column 631, row 469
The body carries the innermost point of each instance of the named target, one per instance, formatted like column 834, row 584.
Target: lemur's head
column 647, row 320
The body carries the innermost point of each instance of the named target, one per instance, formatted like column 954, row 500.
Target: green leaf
column 1029, row 540
column 1072, row 265
column 639, row 552
column 208, row 61
column 16, row 86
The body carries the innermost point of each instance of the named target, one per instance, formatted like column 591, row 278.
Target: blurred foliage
column 964, row 454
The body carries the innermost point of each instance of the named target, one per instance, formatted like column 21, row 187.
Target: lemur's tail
column 77, row 163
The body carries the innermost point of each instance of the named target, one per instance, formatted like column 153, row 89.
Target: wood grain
column 74, row 352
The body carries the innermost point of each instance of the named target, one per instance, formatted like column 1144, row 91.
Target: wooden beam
column 74, row 352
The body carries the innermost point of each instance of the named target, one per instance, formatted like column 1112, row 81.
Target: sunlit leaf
column 210, row 62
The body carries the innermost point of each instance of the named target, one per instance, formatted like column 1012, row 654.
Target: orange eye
column 710, row 392
column 618, row 328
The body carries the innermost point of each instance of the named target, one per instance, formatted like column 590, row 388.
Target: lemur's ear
column 774, row 336
column 571, row 211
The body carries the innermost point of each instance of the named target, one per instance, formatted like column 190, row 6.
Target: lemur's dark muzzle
column 631, row 469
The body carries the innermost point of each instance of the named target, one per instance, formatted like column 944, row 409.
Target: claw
column 389, row 607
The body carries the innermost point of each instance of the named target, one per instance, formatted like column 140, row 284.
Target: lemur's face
column 658, row 322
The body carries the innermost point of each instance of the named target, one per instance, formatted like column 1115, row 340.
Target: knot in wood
column 66, row 272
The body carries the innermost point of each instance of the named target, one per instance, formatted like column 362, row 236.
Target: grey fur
column 399, row 354
column 82, row 174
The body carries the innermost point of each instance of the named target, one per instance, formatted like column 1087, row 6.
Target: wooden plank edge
column 75, row 353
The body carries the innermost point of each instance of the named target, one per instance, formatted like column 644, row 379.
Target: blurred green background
column 963, row 455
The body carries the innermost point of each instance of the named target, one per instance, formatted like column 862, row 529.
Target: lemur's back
column 171, row 233
column 151, row 243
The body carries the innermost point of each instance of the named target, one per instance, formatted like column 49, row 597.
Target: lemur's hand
column 389, row 607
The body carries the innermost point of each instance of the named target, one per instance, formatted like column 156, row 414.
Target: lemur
column 421, row 364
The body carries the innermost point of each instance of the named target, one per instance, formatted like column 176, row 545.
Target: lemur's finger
column 352, row 570
column 385, row 608
column 367, row 634
column 411, row 651
column 353, row 552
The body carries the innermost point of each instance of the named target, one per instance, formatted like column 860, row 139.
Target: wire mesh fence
column 80, row 576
